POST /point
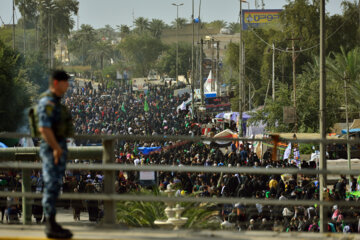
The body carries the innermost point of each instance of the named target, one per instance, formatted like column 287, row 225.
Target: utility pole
column 13, row 26
column 212, row 64
column 198, row 49
column 51, row 42
column 322, row 184
column 243, row 97
column 48, row 39
column 192, row 63
column 218, row 86
column 294, row 57
column 249, row 96
column 24, row 22
column 348, row 147
column 77, row 21
column 240, row 72
column 201, row 77
column 273, row 72
column 177, row 39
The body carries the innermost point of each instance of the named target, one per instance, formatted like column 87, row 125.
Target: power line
column 2, row 20
column 259, row 73
column 301, row 50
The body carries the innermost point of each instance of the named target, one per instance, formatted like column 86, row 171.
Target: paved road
column 340, row 165
column 17, row 232
column 82, row 81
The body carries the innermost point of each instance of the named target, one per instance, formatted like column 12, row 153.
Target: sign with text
column 289, row 114
column 257, row 18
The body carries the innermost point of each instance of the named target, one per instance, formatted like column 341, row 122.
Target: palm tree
column 81, row 42
column 108, row 32
column 346, row 66
column 217, row 24
column 141, row 24
column 180, row 22
column 124, row 30
column 234, row 27
column 100, row 51
column 55, row 21
column 143, row 214
column 156, row 27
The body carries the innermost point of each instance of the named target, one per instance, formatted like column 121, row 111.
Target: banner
column 287, row 152
column 148, row 150
column 209, row 81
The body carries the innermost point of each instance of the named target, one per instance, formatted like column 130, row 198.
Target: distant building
column 185, row 35
column 61, row 52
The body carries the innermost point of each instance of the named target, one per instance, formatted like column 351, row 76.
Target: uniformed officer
column 54, row 122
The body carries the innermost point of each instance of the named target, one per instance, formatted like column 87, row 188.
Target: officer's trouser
column 53, row 175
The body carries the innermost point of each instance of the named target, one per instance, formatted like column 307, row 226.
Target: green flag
column 146, row 106
column 135, row 151
column 123, row 107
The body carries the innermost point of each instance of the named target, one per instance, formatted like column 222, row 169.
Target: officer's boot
column 54, row 230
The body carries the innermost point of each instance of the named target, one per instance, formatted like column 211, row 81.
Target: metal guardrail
column 106, row 152
column 192, row 139
column 167, row 168
column 149, row 198
column 73, row 153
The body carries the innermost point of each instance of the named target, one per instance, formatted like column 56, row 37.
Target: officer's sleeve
column 45, row 112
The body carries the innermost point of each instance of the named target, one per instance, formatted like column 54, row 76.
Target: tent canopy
column 2, row 145
column 227, row 133
column 233, row 116
column 148, row 150
column 354, row 130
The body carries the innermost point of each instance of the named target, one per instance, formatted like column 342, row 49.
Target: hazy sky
column 116, row 12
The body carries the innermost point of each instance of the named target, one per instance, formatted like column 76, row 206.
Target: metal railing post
column 323, row 163
column 26, row 205
column 25, row 186
column 109, row 182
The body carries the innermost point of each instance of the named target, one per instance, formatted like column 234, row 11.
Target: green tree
column 180, row 22
column 99, row 53
column 217, row 24
column 55, row 21
column 29, row 9
column 307, row 110
column 124, row 30
column 140, row 52
column 15, row 91
column 234, row 27
column 80, row 43
column 166, row 63
column 36, row 70
column 156, row 27
column 141, row 25
column 345, row 28
column 346, row 66
column 106, row 33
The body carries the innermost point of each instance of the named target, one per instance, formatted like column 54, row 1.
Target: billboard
column 139, row 84
column 257, row 18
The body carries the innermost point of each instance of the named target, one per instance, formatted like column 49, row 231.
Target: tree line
column 300, row 21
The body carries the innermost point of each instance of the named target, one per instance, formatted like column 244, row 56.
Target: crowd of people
column 96, row 110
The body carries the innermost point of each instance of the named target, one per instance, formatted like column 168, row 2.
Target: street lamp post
column 348, row 147
column 192, row 62
column 241, row 76
column 177, row 40
column 240, row 72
